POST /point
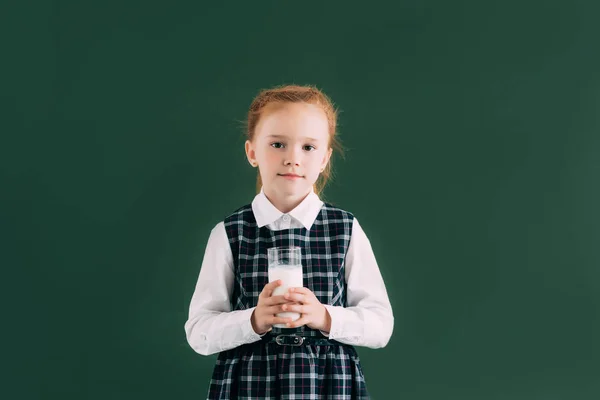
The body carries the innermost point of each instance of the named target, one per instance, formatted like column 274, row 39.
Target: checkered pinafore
column 262, row 370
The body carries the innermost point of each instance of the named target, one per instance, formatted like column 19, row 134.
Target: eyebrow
column 285, row 137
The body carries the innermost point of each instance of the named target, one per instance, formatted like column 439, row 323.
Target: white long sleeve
column 212, row 327
column 367, row 320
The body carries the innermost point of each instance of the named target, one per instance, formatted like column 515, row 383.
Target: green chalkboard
column 472, row 144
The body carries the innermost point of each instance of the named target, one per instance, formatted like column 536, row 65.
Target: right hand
column 263, row 317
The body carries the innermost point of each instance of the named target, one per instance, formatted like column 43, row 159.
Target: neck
column 284, row 203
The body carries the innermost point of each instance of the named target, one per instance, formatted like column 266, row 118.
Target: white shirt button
column 286, row 218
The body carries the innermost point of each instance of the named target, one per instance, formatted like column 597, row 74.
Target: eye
column 309, row 147
column 277, row 145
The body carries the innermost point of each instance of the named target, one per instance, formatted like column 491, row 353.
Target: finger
column 272, row 310
column 299, row 308
column 296, row 297
column 304, row 291
column 269, row 287
column 299, row 322
column 300, row 289
column 273, row 300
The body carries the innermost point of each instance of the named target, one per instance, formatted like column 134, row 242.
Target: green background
column 471, row 136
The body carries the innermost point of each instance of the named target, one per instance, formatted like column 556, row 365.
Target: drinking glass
column 285, row 263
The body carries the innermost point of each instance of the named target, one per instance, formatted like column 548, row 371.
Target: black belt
column 298, row 340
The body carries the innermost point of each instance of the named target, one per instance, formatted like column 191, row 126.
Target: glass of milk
column 285, row 263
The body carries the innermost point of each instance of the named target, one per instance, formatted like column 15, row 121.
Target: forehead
column 293, row 120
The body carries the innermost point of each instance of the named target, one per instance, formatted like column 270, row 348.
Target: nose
column 292, row 157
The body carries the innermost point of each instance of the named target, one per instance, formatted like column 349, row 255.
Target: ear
column 250, row 153
column 326, row 158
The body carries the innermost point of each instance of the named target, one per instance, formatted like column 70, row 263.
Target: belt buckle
column 298, row 340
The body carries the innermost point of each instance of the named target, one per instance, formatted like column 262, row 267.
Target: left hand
column 312, row 313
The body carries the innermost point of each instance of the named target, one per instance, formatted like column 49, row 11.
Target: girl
column 291, row 135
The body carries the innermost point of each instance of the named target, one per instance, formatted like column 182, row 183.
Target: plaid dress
column 262, row 370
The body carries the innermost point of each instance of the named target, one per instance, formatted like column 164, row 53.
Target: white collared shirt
column 212, row 326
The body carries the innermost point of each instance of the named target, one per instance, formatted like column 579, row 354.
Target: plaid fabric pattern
column 267, row 370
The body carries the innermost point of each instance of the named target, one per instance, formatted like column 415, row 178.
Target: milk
column 291, row 276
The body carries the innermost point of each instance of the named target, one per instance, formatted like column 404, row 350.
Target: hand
column 263, row 317
column 313, row 313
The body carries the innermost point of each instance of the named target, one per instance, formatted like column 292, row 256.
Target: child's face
column 290, row 148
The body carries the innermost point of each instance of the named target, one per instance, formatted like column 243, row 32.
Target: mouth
column 290, row 176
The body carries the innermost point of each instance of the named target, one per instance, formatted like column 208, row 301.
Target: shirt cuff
column 246, row 324
column 345, row 325
column 336, row 322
